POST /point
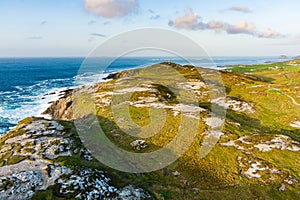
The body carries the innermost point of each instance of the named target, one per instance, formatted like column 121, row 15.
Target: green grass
column 165, row 94
column 217, row 175
column 287, row 160
column 272, row 91
column 15, row 159
column 4, row 157
column 28, row 150
column 257, row 68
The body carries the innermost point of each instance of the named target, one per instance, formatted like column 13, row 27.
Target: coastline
column 50, row 98
column 50, row 112
column 245, row 140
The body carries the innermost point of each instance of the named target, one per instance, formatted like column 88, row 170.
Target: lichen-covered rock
column 235, row 104
column 20, row 185
column 131, row 192
column 88, row 184
column 264, row 144
column 295, row 124
column 31, row 167
column 138, row 144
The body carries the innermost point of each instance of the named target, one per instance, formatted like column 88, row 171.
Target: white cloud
column 269, row 33
column 110, row 8
column 192, row 21
column 241, row 27
column 242, row 9
column 216, row 25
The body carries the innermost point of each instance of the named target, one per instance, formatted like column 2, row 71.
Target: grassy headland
column 256, row 157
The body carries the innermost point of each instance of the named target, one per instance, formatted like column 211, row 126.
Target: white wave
column 33, row 108
column 40, row 96
column 19, row 88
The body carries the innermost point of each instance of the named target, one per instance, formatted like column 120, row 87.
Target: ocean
column 28, row 85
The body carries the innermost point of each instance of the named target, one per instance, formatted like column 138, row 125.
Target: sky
column 67, row 28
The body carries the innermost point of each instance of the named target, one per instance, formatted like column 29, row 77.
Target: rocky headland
column 256, row 155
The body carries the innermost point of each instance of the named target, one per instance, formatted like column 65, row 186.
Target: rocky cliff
column 62, row 108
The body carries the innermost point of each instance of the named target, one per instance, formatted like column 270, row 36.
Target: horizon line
column 239, row 56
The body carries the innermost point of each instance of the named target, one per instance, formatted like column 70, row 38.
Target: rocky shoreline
column 29, row 153
column 61, row 108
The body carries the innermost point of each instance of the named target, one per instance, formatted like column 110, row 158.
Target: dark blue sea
column 27, row 85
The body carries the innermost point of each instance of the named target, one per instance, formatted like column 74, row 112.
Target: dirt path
column 290, row 97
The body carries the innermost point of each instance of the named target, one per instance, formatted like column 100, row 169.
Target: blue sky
column 31, row 28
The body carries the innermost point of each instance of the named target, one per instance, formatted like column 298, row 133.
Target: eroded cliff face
column 61, row 108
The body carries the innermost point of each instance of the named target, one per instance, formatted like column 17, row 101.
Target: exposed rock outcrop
column 62, row 108
column 31, row 166
column 122, row 74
